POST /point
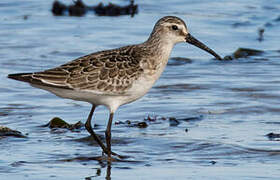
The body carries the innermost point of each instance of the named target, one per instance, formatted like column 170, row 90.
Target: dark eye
column 174, row 27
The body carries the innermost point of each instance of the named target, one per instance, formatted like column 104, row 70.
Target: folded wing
column 110, row 71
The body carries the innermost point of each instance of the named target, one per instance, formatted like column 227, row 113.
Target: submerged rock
column 58, row 8
column 173, row 121
column 177, row 61
column 128, row 123
column 213, row 162
column 150, row 120
column 57, row 122
column 243, row 53
column 142, row 125
column 273, row 136
column 5, row 131
column 176, row 121
column 195, row 118
column 261, row 32
column 79, row 9
column 116, row 10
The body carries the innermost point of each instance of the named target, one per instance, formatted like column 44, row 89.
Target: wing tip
column 27, row 77
column 20, row 76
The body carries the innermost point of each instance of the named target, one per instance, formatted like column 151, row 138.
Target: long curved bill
column 192, row 40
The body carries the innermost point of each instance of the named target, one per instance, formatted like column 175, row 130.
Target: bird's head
column 174, row 30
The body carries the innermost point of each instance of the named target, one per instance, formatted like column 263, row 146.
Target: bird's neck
column 159, row 47
column 158, row 51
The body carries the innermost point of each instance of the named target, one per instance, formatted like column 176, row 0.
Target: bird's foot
column 109, row 159
column 116, row 155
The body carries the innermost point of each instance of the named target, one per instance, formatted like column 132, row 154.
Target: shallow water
column 237, row 102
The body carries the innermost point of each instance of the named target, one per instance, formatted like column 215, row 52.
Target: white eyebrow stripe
column 180, row 26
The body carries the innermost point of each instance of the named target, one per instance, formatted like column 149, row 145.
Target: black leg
column 108, row 134
column 96, row 138
column 108, row 173
column 90, row 130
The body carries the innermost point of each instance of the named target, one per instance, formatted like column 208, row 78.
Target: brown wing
column 111, row 71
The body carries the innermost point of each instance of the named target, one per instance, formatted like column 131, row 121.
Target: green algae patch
column 57, row 122
column 5, row 131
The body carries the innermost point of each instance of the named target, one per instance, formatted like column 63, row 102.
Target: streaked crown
column 170, row 28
